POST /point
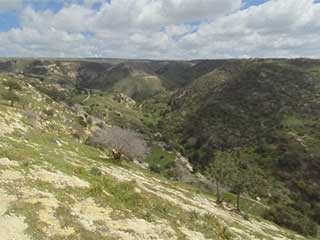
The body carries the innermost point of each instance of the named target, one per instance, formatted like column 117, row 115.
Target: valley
column 120, row 149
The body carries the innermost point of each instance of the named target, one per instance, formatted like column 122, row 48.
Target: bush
column 155, row 168
column 95, row 171
column 54, row 93
column 12, row 97
column 121, row 142
column 82, row 121
column 12, row 85
column 288, row 217
column 49, row 112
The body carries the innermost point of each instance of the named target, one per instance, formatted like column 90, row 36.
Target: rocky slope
column 188, row 110
column 53, row 186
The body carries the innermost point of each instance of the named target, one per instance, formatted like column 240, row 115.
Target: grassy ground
column 160, row 160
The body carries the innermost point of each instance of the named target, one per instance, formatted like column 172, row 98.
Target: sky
column 160, row 29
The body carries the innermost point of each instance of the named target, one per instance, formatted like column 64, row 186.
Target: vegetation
column 121, row 142
column 268, row 106
column 232, row 170
column 260, row 118
column 291, row 218
column 11, row 94
column 159, row 160
column 242, row 178
column 12, row 85
column 220, row 170
column 12, row 97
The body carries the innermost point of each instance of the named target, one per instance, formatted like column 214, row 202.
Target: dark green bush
column 95, row 171
column 155, row 168
column 288, row 217
column 48, row 112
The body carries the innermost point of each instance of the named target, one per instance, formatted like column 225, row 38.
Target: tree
column 121, row 142
column 219, row 171
column 242, row 177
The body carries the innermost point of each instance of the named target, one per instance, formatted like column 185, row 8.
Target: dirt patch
column 10, row 175
column 192, row 235
column 11, row 121
column 5, row 201
column 58, row 179
column 90, row 214
column 47, row 212
column 8, row 163
column 11, row 227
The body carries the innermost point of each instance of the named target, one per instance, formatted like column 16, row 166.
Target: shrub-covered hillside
column 142, row 144
column 270, row 109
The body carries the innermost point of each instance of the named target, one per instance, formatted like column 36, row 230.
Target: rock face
column 183, row 170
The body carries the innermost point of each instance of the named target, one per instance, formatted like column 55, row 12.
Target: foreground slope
column 53, row 186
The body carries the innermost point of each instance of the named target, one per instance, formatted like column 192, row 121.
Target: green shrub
column 82, row 121
column 12, row 97
column 96, row 190
column 48, row 112
column 288, row 217
column 80, row 170
column 13, row 85
column 95, row 171
column 155, row 168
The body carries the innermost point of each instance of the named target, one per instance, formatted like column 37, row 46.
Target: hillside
column 268, row 108
column 53, row 186
column 60, row 131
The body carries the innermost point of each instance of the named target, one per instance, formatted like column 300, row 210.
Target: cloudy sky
column 160, row 29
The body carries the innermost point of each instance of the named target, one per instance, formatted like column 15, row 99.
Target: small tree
column 219, row 171
column 121, row 142
column 243, row 176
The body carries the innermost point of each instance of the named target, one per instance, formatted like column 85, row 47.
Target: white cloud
column 169, row 29
column 155, row 13
column 276, row 28
column 10, row 4
column 73, row 18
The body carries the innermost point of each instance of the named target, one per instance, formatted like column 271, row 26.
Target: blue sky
column 249, row 3
column 8, row 20
column 171, row 29
column 11, row 19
